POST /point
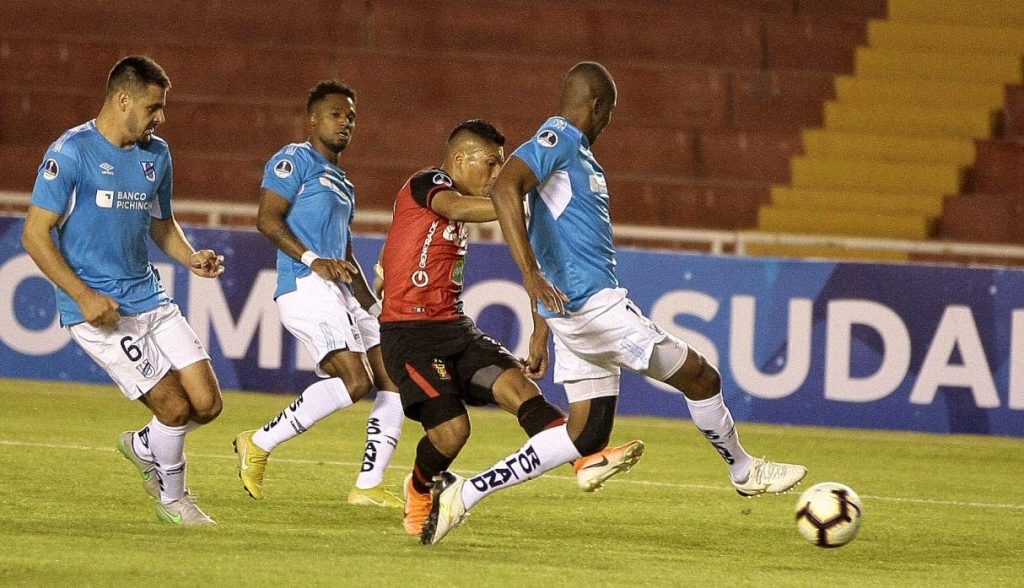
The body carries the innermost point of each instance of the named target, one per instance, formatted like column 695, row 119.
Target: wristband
column 308, row 258
column 374, row 310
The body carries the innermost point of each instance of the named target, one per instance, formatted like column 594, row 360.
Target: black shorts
column 430, row 359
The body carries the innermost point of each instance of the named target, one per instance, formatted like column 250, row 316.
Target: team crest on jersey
column 283, row 169
column 149, row 170
column 547, row 138
column 146, row 369
column 442, row 370
column 50, row 169
column 442, row 180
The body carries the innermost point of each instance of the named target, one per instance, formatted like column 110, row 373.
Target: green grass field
column 939, row 510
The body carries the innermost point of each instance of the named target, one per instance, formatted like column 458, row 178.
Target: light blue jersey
column 570, row 229
column 106, row 196
column 323, row 204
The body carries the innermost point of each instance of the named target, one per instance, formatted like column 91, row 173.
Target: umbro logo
column 106, row 169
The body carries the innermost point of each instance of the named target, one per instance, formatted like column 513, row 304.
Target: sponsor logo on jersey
column 458, row 271
column 598, row 184
column 420, row 278
column 50, row 169
column 149, row 170
column 283, row 169
column 442, row 179
column 547, row 138
column 106, row 169
column 105, row 198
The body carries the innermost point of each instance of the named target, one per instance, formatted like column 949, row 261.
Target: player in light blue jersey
column 567, row 259
column 306, row 208
column 104, row 186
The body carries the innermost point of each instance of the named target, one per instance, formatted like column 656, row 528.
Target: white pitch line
column 905, row 500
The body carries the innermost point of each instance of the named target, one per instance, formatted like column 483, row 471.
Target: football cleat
column 183, row 511
column 252, row 464
column 378, row 496
column 417, row 508
column 146, row 467
column 448, row 510
column 767, row 477
column 594, row 470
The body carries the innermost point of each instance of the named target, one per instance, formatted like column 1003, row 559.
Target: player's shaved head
column 134, row 74
column 588, row 97
column 586, row 81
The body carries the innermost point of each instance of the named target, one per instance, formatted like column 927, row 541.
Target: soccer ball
column 828, row 514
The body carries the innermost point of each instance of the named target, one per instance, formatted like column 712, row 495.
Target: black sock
column 429, row 463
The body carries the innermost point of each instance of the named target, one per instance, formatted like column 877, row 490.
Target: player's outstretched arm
column 168, row 236
column 452, row 205
column 270, row 220
column 98, row 310
column 515, row 181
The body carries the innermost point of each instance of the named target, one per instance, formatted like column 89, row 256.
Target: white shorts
column 607, row 334
column 326, row 318
column 142, row 348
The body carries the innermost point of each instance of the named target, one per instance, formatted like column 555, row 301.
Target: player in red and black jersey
column 438, row 357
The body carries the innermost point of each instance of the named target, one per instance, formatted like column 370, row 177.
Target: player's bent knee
column 206, row 412
column 667, row 358
column 698, row 379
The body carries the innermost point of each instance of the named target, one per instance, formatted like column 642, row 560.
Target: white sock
column 168, row 447
column 714, row 420
column 140, row 440
column 316, row 403
column 383, row 430
column 544, row 451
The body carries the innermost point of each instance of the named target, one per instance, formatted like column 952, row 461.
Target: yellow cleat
column 378, row 496
column 252, row 464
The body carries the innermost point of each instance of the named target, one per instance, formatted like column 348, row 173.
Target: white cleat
column 767, row 477
column 447, row 511
column 146, row 468
column 183, row 511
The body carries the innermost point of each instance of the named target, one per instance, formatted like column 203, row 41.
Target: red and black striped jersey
column 424, row 255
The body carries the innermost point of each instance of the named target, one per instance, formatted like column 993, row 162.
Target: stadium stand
column 901, row 134
column 784, row 115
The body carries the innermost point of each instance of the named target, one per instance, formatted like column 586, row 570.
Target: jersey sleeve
column 162, row 208
column 427, row 183
column 282, row 174
column 56, row 181
column 550, row 150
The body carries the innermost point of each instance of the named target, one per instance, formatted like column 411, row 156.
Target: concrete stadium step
column 1014, row 112
column 851, row 201
column 969, row 67
column 831, row 222
column 825, row 252
column 910, row 120
column 919, row 92
column 832, row 144
column 812, row 43
column 873, row 176
column 696, row 204
column 744, row 155
column 984, row 218
column 991, row 13
column 944, row 38
column 999, row 167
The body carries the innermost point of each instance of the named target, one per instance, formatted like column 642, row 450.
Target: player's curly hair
column 326, row 88
column 134, row 73
column 480, row 128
